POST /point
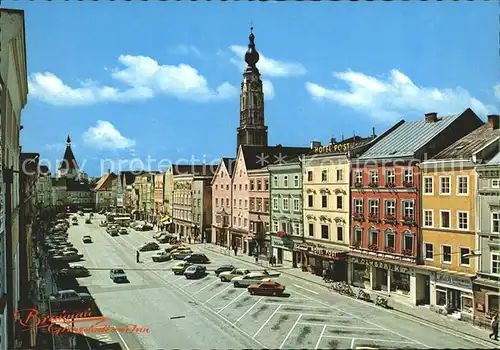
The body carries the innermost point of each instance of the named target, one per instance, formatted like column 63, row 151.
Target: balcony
column 408, row 184
column 358, row 217
column 373, row 184
column 389, row 219
column 358, row 184
column 389, row 250
column 373, row 217
column 408, row 221
column 390, row 185
column 407, row 252
column 373, row 247
column 356, row 245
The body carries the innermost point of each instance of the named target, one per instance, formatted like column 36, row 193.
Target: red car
column 266, row 288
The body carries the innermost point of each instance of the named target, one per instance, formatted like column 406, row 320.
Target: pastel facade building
column 222, row 197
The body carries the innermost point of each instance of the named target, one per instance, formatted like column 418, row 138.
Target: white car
column 227, row 276
column 251, row 278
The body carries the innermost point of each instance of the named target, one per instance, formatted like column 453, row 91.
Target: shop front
column 486, row 298
column 334, row 262
column 454, row 293
column 283, row 248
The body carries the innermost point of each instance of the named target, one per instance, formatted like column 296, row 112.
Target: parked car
column 80, row 212
column 179, row 268
column 149, row 246
column 103, row 224
column 69, row 297
column 224, row 268
column 174, row 247
column 87, row 239
column 227, row 276
column 197, row 258
column 158, row 235
column 166, row 238
column 144, row 227
column 88, row 221
column 75, row 270
column 251, row 278
column 69, row 257
column 118, row 275
column 181, row 254
column 266, row 288
column 75, row 223
column 195, row 271
column 161, row 256
column 123, row 231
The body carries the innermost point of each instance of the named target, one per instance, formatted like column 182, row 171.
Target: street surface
column 208, row 313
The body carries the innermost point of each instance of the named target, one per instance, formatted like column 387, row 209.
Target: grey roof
column 259, row 157
column 465, row 147
column 495, row 160
column 408, row 138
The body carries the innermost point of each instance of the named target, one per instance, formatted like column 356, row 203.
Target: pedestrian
column 274, row 261
column 137, row 256
column 494, row 327
column 189, row 238
column 256, row 258
column 235, row 250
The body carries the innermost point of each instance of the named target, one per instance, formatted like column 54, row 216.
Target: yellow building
column 449, row 187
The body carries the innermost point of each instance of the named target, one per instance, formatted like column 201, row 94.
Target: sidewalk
column 419, row 312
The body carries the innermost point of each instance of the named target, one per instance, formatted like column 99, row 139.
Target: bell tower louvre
column 252, row 131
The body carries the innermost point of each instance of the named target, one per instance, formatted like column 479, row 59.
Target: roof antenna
column 373, row 131
column 251, row 27
column 342, row 137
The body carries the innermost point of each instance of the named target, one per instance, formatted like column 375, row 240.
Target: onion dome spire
column 251, row 56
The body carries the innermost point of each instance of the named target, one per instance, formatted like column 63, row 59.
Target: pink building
column 258, row 192
column 221, row 202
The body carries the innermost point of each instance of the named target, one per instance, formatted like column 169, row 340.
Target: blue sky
column 162, row 80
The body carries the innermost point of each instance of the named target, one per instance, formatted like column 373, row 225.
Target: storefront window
column 360, row 274
column 493, row 302
column 400, row 282
column 441, row 297
column 467, row 305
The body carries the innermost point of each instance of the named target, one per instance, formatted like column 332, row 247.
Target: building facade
column 449, row 187
column 222, row 197
column 202, row 209
column 168, row 187
column 258, row 223
column 285, row 211
column 385, row 193
column 144, row 184
column 105, row 192
column 158, row 197
column 44, row 188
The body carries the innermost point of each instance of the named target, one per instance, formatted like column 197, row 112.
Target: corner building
column 385, row 194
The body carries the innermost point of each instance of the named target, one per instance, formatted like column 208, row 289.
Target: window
column 358, row 177
column 428, row 218
column 309, row 176
column 429, row 251
column 390, row 239
column 495, row 183
column 216, row 202
column 246, row 187
column 428, row 185
column 390, row 177
column 266, row 185
column 374, row 177
column 245, row 222
column 252, row 185
column 296, row 228
column 373, row 236
column 285, row 181
column 246, row 203
column 285, row 204
column 275, row 204
column 324, row 201
column 340, row 175
column 373, row 207
column 234, row 203
column 275, row 226
column 234, row 187
column 408, row 210
column 445, row 218
column 408, row 241
column 444, row 185
column 495, row 263
column 252, row 204
column 390, row 208
column 358, row 206
column 462, row 220
column 311, row 230
column 495, row 222
column 240, row 187
column 462, row 185
column 310, row 201
column 239, row 221
column 275, row 182
column 227, row 202
column 266, row 205
column 296, row 204
column 296, row 181
column 216, row 186
column 240, row 203
column 340, row 201
column 464, row 257
column 324, row 176
column 227, row 187
column 446, row 254
column 358, row 235
column 340, row 233
column 408, row 176
column 259, row 185
column 324, row 232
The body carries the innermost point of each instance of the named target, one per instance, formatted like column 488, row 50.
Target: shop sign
column 280, row 241
column 454, row 281
column 325, row 252
column 333, row 148
column 381, row 265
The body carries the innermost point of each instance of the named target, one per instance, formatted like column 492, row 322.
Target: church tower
column 68, row 167
column 252, row 131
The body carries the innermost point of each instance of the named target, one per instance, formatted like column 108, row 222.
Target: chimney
column 494, row 121
column 431, row 117
column 373, row 132
column 333, row 141
column 109, row 171
column 315, row 144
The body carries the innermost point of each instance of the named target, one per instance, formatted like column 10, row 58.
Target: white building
column 106, row 192
column 44, row 188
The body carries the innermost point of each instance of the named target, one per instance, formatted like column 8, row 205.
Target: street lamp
column 472, row 254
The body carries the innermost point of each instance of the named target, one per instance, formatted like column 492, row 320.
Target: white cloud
column 104, row 135
column 268, row 88
column 496, row 88
column 267, row 66
column 144, row 78
column 186, row 50
column 395, row 96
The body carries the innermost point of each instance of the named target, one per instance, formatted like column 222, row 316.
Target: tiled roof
column 194, row 169
column 29, row 163
column 408, row 138
column 104, row 181
column 258, row 157
column 465, row 147
column 230, row 164
column 495, row 160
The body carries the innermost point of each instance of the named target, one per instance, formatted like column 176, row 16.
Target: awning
column 166, row 218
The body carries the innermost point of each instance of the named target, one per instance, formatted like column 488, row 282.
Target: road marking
column 312, row 315
column 352, row 343
column 250, row 309
column 338, row 326
column 310, row 291
column 321, row 337
column 179, row 278
column 121, row 338
column 213, row 296
column 290, row 332
column 364, row 320
column 208, row 285
column 267, row 321
column 190, row 283
column 232, row 301
column 370, row 339
column 297, row 306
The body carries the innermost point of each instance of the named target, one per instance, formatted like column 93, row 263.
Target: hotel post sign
column 333, row 148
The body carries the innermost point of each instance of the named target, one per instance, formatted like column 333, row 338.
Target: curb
column 394, row 309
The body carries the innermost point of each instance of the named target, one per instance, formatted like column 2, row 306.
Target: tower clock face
column 255, row 85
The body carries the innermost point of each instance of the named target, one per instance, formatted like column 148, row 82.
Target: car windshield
column 119, row 271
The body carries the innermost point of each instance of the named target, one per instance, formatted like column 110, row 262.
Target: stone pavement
column 421, row 312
